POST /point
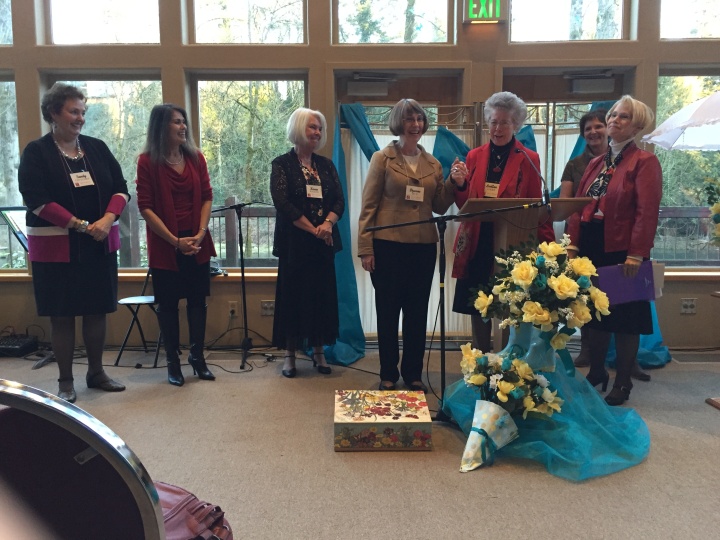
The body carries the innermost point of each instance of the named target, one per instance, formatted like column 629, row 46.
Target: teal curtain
column 448, row 146
column 350, row 345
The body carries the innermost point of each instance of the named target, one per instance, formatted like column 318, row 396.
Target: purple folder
column 621, row 289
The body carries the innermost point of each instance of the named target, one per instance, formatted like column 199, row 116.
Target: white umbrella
column 694, row 127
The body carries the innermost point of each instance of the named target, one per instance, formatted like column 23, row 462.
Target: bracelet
column 330, row 221
column 203, row 229
column 82, row 226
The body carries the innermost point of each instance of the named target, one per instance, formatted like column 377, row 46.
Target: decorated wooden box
column 367, row 420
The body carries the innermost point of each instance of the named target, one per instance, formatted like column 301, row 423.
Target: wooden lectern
column 516, row 220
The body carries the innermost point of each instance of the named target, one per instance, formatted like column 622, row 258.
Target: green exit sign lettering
column 485, row 11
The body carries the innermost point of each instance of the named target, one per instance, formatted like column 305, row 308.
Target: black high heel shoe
column 594, row 380
column 618, row 395
column 200, row 368
column 325, row 370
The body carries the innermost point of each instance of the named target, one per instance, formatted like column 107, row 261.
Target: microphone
column 545, row 198
column 231, row 207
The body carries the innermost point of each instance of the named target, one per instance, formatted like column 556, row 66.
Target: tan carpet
column 261, row 447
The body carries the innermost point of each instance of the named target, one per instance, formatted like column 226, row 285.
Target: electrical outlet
column 267, row 308
column 688, row 306
column 232, row 308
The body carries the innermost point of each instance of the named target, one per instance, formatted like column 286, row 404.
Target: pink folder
column 621, row 289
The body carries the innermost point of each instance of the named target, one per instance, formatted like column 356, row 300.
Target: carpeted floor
column 261, row 447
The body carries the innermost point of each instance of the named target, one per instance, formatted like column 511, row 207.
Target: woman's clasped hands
column 324, row 232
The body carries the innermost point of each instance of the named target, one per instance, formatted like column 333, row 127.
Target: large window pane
column 104, row 21
column 392, row 21
column 249, row 21
column 565, row 20
column 12, row 255
column 242, row 128
column 689, row 19
column 6, row 37
column 684, row 225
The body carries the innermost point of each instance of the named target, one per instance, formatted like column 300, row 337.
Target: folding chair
column 134, row 303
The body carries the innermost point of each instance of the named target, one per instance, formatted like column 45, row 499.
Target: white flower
column 541, row 380
column 494, row 380
column 494, row 359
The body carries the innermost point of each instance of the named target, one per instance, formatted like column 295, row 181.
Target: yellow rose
column 524, row 274
column 559, row 341
column 715, row 208
column 523, row 370
column 551, row 250
column 529, row 405
column 497, row 289
column 534, row 313
column 503, row 389
column 478, row 379
column 580, row 315
column 563, row 286
column 482, row 303
column 469, row 355
column 583, row 266
column 553, row 402
column 600, row 301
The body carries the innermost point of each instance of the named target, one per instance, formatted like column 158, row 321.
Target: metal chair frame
column 134, row 303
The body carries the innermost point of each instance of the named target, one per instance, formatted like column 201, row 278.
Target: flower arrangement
column 712, row 191
column 509, row 382
column 546, row 288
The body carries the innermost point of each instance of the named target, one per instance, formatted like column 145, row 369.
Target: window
column 104, row 21
column 249, row 21
column 565, row 20
column 392, row 21
column 242, row 129
column 6, row 37
column 12, row 255
column 689, row 19
column 684, row 225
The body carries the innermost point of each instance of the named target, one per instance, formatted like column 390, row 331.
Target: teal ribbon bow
column 487, row 446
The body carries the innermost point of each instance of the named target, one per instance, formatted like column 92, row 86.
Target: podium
column 516, row 220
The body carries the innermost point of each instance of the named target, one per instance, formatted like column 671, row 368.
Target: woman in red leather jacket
column 618, row 227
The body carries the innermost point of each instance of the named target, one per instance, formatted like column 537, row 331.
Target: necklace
column 499, row 159
column 79, row 154
column 174, row 163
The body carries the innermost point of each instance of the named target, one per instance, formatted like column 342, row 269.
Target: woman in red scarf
column 175, row 198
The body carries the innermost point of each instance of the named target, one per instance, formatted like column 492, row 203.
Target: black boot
column 599, row 342
column 170, row 328
column 197, row 317
column 626, row 346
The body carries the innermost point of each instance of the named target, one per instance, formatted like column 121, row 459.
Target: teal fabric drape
column 448, row 146
column 350, row 345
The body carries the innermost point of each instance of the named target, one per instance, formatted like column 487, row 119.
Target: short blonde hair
column 299, row 120
column 642, row 115
column 400, row 110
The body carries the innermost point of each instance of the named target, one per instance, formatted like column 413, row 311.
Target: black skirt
column 630, row 318
column 87, row 285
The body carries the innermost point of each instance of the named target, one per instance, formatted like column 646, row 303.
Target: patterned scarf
column 598, row 187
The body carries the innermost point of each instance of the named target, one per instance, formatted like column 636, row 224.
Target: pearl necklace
column 175, row 163
column 80, row 152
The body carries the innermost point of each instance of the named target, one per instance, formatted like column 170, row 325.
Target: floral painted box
column 367, row 420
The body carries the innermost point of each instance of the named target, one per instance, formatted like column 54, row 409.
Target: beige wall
column 482, row 60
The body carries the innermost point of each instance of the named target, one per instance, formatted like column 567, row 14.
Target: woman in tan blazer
column 404, row 184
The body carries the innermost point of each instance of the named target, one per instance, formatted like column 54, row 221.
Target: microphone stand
column 441, row 223
column 246, row 344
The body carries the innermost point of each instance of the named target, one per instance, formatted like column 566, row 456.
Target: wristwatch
column 82, row 226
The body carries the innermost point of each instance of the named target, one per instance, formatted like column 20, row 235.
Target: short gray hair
column 507, row 101
column 299, row 120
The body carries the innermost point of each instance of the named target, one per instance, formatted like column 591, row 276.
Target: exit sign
column 485, row 11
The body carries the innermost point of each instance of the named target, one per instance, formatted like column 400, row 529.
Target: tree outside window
column 565, row 20
column 392, row 21
column 689, row 19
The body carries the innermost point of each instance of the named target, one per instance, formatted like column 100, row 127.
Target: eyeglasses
column 494, row 124
column 413, row 119
column 621, row 116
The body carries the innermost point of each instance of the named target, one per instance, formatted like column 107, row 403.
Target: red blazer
column 519, row 180
column 631, row 204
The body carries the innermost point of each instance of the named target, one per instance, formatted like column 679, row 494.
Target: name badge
column 491, row 190
column 81, row 179
column 414, row 193
column 313, row 192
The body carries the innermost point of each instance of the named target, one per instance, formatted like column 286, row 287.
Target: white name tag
column 414, row 193
column 314, row 192
column 491, row 190
column 82, row 179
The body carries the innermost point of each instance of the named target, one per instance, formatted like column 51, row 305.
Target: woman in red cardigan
column 175, row 198
column 618, row 228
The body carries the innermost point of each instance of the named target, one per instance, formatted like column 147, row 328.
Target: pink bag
column 188, row 518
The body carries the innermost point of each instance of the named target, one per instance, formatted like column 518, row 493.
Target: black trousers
column 402, row 280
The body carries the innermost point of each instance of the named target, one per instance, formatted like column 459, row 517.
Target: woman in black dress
column 75, row 191
column 307, row 194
